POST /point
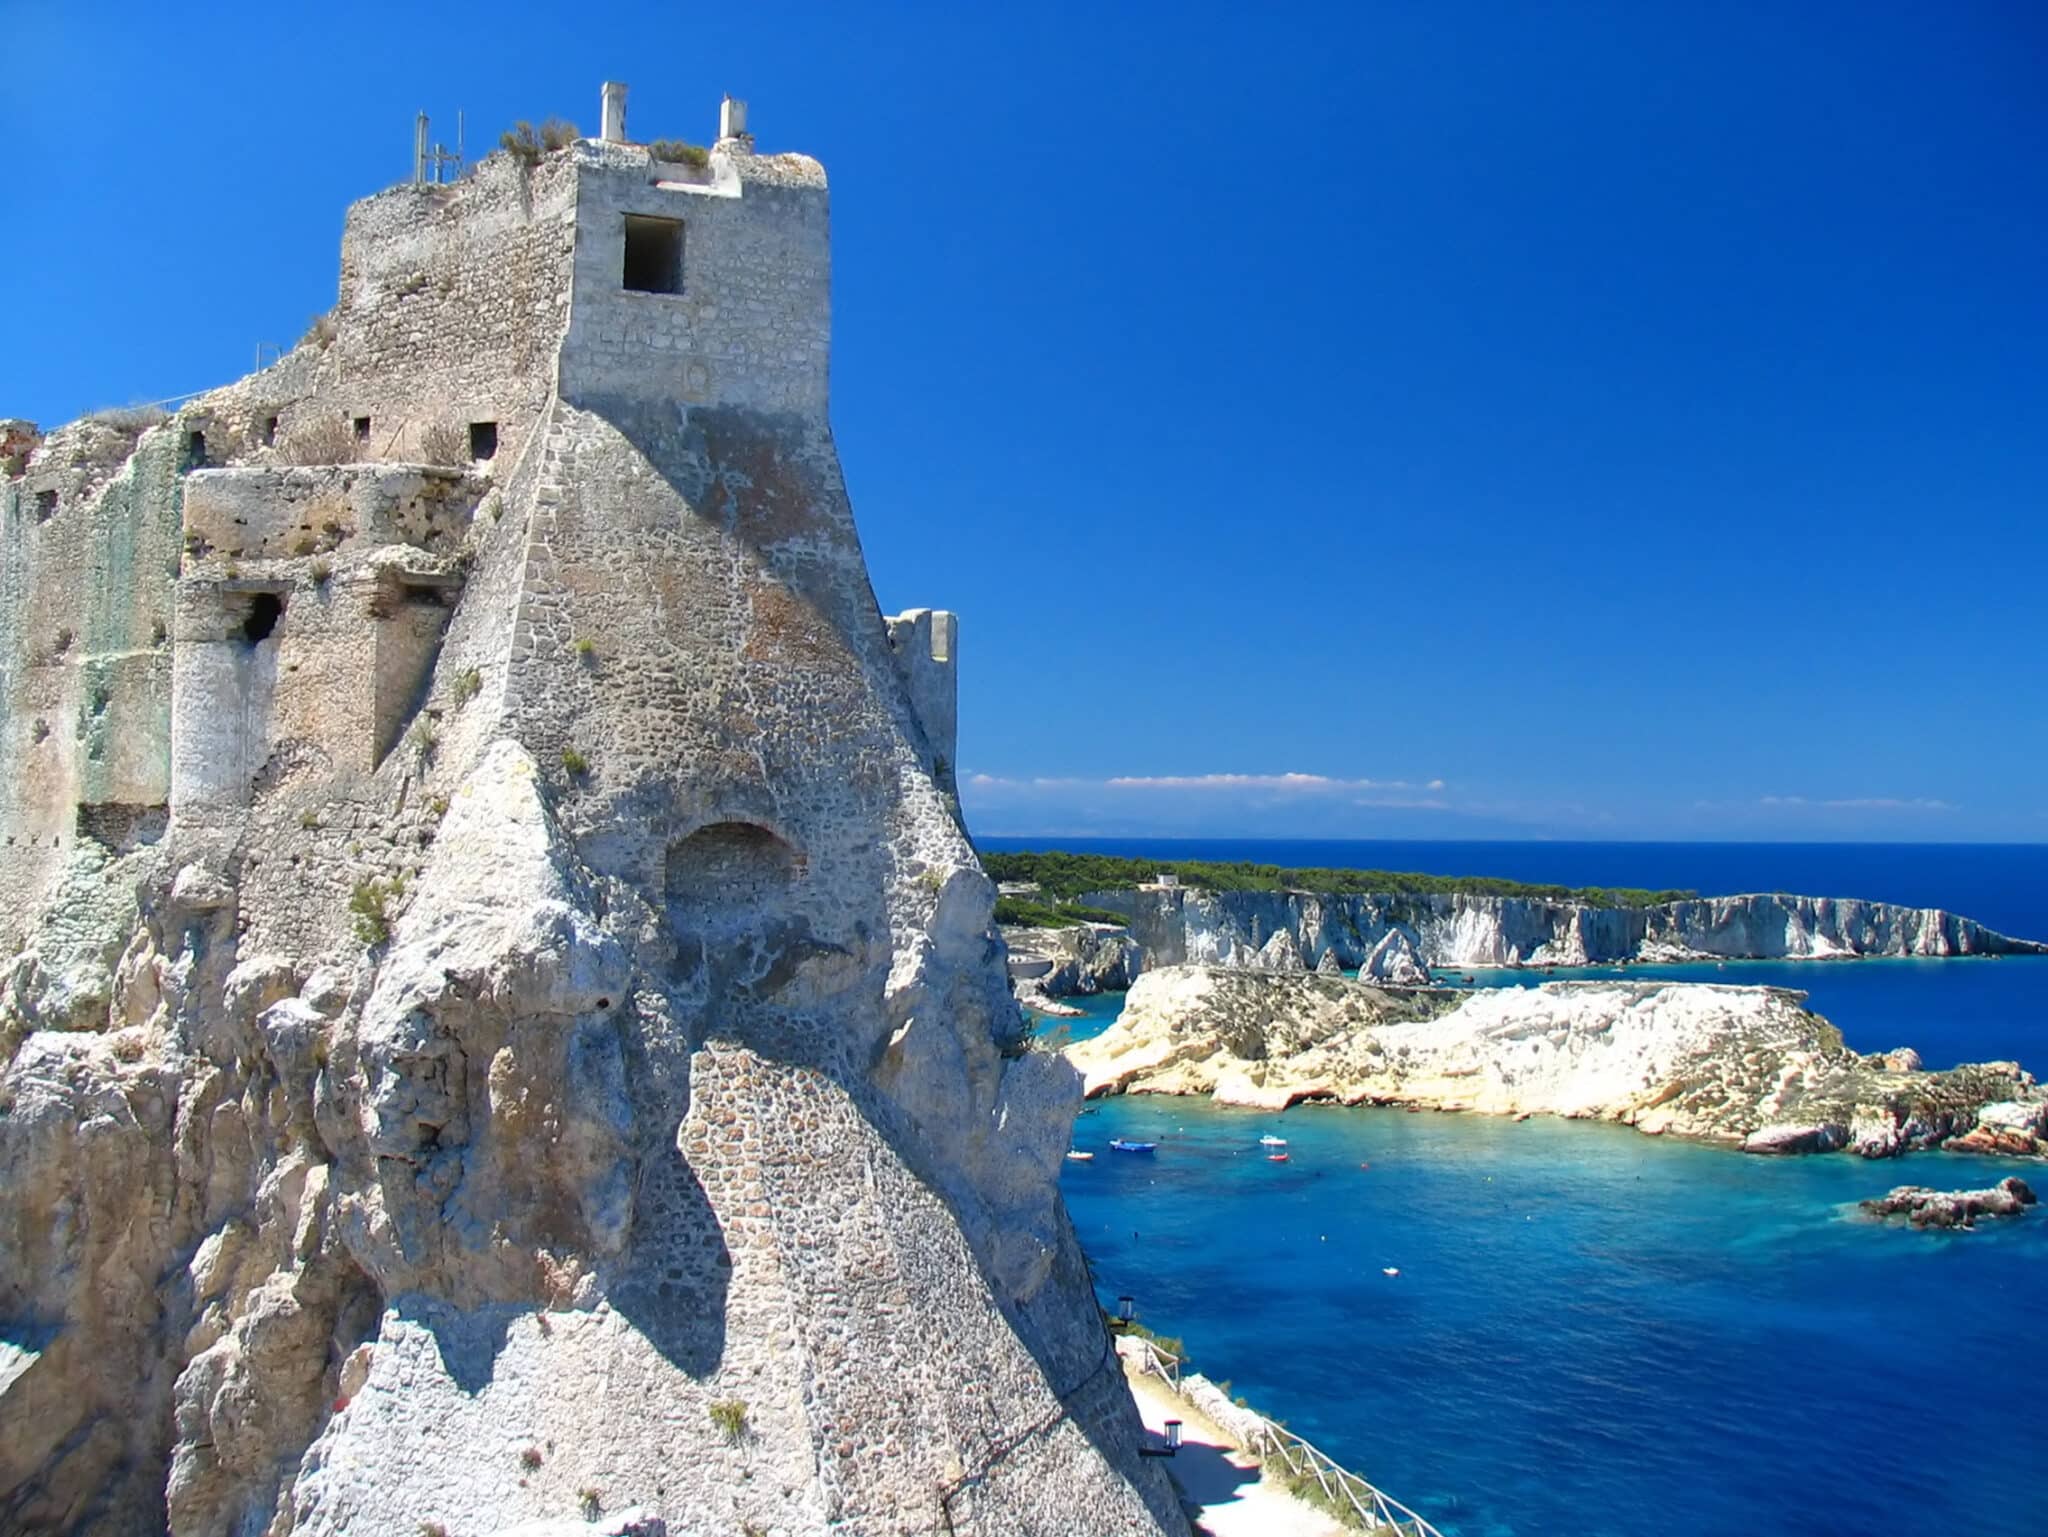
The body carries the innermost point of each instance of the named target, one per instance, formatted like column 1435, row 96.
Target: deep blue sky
column 1574, row 420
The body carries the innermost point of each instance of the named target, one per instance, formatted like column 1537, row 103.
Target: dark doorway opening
column 265, row 609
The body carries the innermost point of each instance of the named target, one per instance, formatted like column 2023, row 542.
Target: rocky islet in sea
column 1949, row 1209
column 1745, row 1066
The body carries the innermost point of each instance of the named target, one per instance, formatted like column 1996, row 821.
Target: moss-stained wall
column 88, row 555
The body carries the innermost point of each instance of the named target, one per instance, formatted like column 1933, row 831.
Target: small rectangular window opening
column 483, row 440
column 362, row 426
column 654, row 255
column 267, row 431
column 46, row 506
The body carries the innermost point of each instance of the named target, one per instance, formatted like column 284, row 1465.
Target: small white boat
column 1080, row 1157
column 1390, row 1270
column 1269, row 1140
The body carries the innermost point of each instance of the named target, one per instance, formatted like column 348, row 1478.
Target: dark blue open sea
column 1598, row 1332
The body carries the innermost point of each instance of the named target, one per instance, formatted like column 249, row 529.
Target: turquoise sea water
column 1599, row 1332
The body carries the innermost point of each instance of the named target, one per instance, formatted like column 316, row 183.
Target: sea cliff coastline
column 1310, row 931
column 1175, row 925
column 1746, row 1066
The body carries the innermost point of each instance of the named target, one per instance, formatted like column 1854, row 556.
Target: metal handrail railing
column 1163, row 1364
column 1346, row 1492
column 1377, row 1510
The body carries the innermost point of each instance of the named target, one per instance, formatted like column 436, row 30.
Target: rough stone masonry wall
column 88, row 552
column 453, row 301
column 927, row 646
column 753, row 323
column 674, row 1075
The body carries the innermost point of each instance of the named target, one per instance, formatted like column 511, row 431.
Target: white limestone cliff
column 505, row 1026
column 1396, row 959
column 1192, row 926
column 1745, row 1065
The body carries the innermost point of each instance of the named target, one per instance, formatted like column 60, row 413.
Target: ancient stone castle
column 504, row 1024
column 218, row 607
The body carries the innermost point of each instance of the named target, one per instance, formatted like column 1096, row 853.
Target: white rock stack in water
column 1396, row 959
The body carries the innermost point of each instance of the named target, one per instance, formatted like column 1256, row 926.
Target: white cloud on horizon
column 1284, row 784
column 1857, row 803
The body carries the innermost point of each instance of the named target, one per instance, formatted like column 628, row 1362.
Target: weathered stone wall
column 752, row 325
column 275, row 512
column 563, row 999
column 452, row 306
column 88, row 552
column 927, row 646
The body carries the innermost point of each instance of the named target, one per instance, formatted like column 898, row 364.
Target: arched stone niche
column 728, row 877
column 730, row 889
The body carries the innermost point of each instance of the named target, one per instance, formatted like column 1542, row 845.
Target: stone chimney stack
column 732, row 118
column 614, row 112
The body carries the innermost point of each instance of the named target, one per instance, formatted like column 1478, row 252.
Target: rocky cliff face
column 1231, row 928
column 1080, row 959
column 578, row 1081
column 1746, row 1065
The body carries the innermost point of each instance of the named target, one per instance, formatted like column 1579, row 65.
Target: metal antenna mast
column 439, row 163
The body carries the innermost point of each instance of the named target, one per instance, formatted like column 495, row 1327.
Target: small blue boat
column 1121, row 1146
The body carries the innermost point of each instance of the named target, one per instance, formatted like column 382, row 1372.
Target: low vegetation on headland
column 1063, row 876
column 1026, row 913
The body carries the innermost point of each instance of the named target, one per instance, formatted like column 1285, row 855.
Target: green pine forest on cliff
column 1063, row 877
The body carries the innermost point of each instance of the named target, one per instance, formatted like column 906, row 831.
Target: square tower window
column 654, row 255
column 483, row 440
column 361, row 426
column 46, row 506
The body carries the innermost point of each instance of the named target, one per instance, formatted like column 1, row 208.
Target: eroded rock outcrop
column 1396, row 959
column 507, row 1025
column 1926, row 1208
column 1078, row 959
column 1746, row 1065
column 1190, row 926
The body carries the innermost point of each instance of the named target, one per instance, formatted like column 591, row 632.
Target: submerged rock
column 1923, row 1207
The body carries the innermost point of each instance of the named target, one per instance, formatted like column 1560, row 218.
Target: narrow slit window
column 654, row 255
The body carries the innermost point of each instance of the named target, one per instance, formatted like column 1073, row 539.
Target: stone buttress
column 563, row 1057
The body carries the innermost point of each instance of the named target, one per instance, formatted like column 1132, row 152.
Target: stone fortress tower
column 506, row 1022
